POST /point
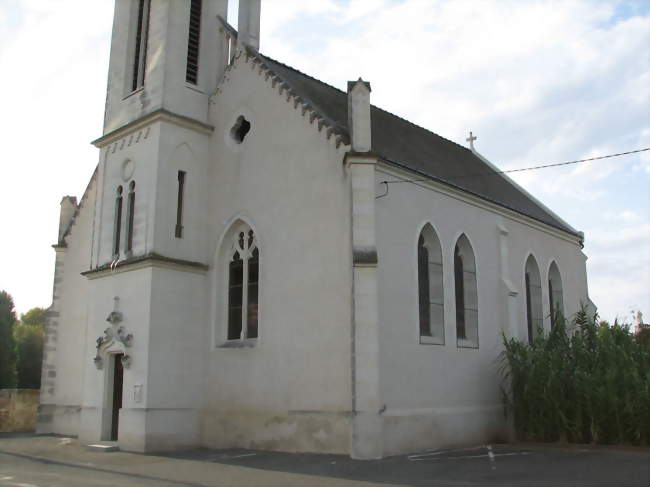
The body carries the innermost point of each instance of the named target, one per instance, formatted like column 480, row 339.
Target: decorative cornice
column 158, row 115
column 144, row 261
column 352, row 157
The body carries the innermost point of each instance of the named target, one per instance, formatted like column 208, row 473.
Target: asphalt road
column 46, row 461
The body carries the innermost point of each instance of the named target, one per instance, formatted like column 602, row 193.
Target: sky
column 539, row 82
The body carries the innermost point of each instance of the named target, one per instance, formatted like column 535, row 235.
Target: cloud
column 537, row 81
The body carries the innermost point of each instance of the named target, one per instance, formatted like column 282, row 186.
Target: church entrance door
column 118, row 381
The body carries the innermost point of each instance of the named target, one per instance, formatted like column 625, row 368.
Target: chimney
column 359, row 115
column 249, row 23
column 68, row 208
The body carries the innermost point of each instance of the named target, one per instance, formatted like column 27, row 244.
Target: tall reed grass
column 584, row 382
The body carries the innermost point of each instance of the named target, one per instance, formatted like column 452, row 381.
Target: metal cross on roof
column 471, row 140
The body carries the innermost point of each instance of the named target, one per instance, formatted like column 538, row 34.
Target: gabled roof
column 405, row 145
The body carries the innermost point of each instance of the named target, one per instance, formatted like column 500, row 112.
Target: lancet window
column 430, row 288
column 556, row 304
column 534, row 314
column 466, row 294
column 141, row 36
column 130, row 208
column 117, row 225
column 193, row 43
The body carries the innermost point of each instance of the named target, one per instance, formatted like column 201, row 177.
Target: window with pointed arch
column 430, row 288
column 556, row 303
column 117, row 222
column 243, row 285
column 534, row 313
column 466, row 294
column 130, row 216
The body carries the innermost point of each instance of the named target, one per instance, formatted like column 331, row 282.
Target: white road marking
column 491, row 455
column 242, row 456
column 465, row 457
column 442, row 452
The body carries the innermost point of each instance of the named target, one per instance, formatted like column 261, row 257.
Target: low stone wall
column 18, row 410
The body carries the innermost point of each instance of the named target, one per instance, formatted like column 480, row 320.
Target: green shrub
column 584, row 382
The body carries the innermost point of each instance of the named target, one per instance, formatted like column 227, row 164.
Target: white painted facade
column 338, row 365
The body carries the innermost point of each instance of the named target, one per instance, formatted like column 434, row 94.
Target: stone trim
column 144, row 261
column 158, row 115
column 257, row 62
column 364, row 256
column 62, row 244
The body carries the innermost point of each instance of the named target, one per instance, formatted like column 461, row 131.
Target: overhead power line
column 531, row 168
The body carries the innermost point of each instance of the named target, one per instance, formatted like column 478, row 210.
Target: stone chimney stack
column 68, row 208
column 359, row 115
column 249, row 23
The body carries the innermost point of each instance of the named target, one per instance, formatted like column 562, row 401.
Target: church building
column 261, row 260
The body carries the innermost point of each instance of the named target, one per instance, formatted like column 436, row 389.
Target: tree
column 34, row 317
column 28, row 336
column 7, row 355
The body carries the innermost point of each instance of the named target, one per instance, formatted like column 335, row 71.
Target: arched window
column 556, row 303
column 430, row 288
column 534, row 314
column 466, row 294
column 130, row 212
column 243, row 285
column 117, row 225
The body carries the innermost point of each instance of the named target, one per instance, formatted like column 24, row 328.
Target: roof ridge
column 332, row 105
column 374, row 106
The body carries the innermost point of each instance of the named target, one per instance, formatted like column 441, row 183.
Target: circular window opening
column 240, row 129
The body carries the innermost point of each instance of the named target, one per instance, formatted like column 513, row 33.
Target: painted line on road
column 47, row 461
column 465, row 457
column 241, row 456
column 442, row 452
column 491, row 455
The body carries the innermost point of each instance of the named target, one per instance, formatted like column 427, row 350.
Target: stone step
column 103, row 446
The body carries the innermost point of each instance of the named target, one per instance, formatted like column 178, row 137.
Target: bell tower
column 150, row 248
column 165, row 55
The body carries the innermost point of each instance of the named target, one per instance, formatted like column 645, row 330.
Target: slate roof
column 403, row 144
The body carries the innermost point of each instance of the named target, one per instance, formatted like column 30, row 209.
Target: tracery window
column 430, row 288
column 534, row 314
column 466, row 294
column 243, row 286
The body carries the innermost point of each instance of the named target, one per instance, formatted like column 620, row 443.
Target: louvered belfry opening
column 141, row 38
column 193, row 43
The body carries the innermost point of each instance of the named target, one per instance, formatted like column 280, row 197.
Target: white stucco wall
column 443, row 395
column 63, row 374
column 291, row 391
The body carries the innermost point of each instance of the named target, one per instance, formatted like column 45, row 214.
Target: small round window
column 241, row 128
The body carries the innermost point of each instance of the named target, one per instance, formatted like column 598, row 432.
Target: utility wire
column 532, row 168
